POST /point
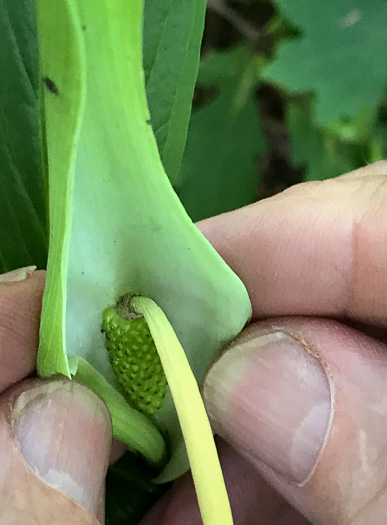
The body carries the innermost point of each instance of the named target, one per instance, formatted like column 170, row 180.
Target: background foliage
column 307, row 103
column 288, row 91
column 23, row 224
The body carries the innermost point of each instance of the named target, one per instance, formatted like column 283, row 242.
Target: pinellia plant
column 130, row 280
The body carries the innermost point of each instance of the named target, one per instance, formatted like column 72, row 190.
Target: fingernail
column 17, row 275
column 271, row 398
column 63, row 431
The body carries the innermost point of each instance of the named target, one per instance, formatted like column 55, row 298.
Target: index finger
column 318, row 248
column 20, row 306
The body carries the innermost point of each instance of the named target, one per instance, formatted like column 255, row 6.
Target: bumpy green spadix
column 133, row 356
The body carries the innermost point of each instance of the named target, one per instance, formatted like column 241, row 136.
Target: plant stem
column 244, row 27
column 129, row 425
column 206, row 471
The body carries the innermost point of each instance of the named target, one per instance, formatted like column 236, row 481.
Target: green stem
column 206, row 471
column 129, row 426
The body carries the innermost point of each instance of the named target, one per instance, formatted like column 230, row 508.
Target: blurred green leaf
column 220, row 169
column 341, row 55
column 314, row 148
column 378, row 143
column 23, row 229
column 173, row 32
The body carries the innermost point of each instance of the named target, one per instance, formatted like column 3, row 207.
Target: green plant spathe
column 116, row 225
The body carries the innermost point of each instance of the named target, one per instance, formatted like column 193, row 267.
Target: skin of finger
column 24, row 497
column 376, row 169
column 318, row 248
column 349, row 483
column 20, row 307
column 101, row 509
column 117, row 450
column 250, row 496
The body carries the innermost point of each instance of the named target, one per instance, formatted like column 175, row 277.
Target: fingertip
column 315, row 249
column 63, row 431
column 20, row 308
column 271, row 398
column 17, row 275
column 321, row 442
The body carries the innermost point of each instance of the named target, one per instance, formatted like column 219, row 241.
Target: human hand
column 314, row 250
column 53, row 433
column 303, row 399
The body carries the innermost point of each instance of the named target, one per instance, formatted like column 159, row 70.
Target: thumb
column 305, row 401
column 55, row 441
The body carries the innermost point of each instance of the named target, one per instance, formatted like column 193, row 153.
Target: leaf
column 316, row 149
column 378, row 143
column 117, row 225
column 173, row 32
column 340, row 55
column 23, row 228
column 220, row 169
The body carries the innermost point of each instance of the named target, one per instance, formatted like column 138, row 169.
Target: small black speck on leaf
column 51, row 86
column 102, row 331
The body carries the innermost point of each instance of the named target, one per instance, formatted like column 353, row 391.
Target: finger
column 17, row 275
column 316, row 249
column 118, row 449
column 20, row 305
column 305, row 401
column 55, row 441
column 251, row 498
column 376, row 169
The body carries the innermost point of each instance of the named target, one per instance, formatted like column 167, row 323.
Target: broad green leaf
column 173, row 32
column 340, row 56
column 314, row 148
column 23, row 235
column 117, row 226
column 220, row 169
